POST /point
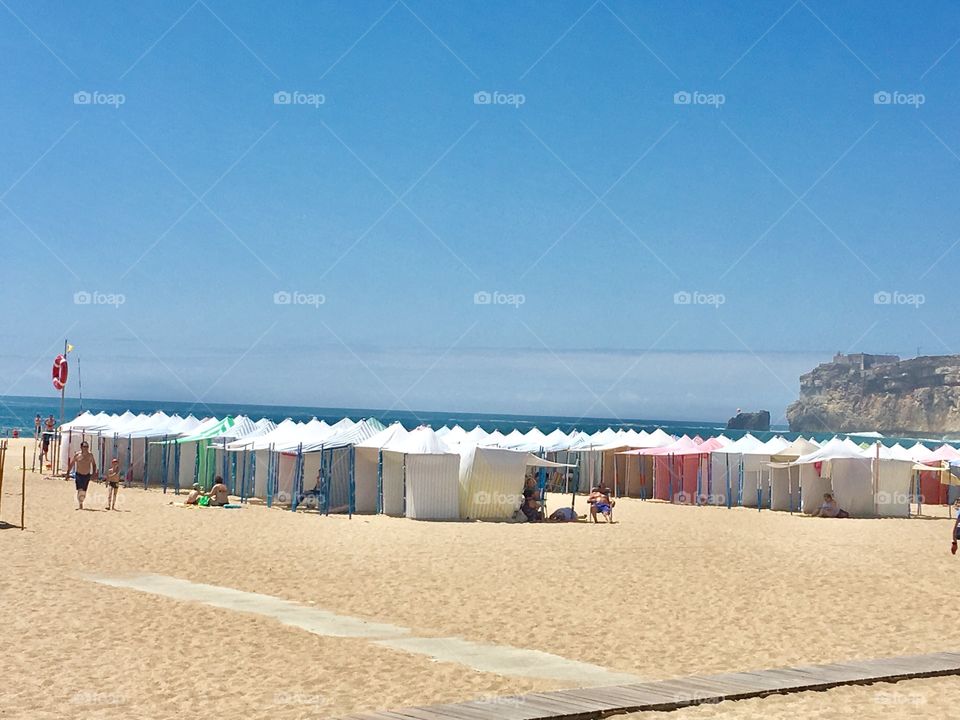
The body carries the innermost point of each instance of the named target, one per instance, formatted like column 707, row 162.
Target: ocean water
column 18, row 412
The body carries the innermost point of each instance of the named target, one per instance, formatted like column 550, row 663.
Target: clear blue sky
column 398, row 198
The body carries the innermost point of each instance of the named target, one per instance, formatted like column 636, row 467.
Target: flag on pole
column 69, row 347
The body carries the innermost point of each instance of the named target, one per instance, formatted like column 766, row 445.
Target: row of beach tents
column 452, row 473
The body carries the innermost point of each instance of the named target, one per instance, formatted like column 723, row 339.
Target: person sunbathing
column 565, row 514
column 219, row 494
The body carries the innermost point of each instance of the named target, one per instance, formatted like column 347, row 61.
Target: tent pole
column 729, row 491
column 351, row 509
column 379, row 481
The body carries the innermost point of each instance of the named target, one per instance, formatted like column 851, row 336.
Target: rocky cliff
column 880, row 392
column 750, row 421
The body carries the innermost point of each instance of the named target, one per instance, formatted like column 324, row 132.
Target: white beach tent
column 492, row 481
column 421, row 477
column 328, row 468
column 846, row 472
column 738, row 473
column 368, row 468
column 787, row 478
column 289, row 473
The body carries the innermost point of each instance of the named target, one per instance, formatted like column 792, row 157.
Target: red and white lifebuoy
column 60, row 372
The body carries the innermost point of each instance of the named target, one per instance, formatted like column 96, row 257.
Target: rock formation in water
column 882, row 393
column 750, row 421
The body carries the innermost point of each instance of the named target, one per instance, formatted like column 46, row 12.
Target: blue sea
column 18, row 412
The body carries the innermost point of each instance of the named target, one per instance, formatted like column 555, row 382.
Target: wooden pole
column 23, row 487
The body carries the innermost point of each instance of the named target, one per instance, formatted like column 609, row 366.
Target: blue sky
column 587, row 200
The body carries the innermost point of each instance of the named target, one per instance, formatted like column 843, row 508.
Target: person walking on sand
column 37, row 425
column 113, row 484
column 955, row 533
column 86, row 466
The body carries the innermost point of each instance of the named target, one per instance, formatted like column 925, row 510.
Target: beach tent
column 420, row 476
column 328, row 469
column 678, row 468
column 787, row 478
column 738, row 474
column 630, row 475
column 492, row 481
column 848, row 472
column 369, row 465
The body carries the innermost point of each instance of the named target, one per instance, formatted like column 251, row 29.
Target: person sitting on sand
column 219, row 494
column 599, row 501
column 829, row 508
column 194, row 497
column 531, row 505
column 113, row 484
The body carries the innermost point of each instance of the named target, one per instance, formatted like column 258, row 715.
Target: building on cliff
column 880, row 392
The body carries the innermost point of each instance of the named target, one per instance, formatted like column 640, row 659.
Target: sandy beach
column 667, row 591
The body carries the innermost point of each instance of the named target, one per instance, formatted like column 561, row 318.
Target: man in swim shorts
column 599, row 501
column 86, row 466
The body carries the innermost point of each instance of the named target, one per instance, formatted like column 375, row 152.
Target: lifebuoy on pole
column 60, row 372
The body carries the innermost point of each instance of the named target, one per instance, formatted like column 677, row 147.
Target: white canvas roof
column 422, row 441
column 385, row 436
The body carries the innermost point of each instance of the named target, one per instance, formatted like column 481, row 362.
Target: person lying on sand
column 565, row 514
column 219, row 494
column 194, row 497
column 599, row 501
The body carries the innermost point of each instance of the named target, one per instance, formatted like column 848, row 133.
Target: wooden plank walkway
column 600, row 702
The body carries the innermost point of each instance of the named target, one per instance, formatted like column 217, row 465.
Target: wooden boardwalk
column 589, row 703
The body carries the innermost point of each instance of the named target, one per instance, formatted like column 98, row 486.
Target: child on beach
column 113, row 484
column 194, row 497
